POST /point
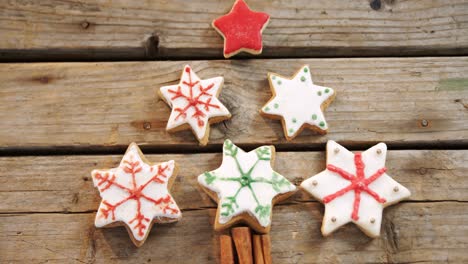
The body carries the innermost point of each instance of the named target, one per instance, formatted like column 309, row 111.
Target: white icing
column 181, row 102
column 126, row 211
column 245, row 200
column 341, row 208
column 298, row 101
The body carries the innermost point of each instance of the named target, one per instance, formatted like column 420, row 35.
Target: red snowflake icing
column 194, row 101
column 108, row 179
column 358, row 184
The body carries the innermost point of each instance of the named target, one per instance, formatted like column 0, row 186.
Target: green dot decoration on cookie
column 327, row 90
column 273, row 77
column 319, row 93
column 291, row 130
column 305, row 69
column 322, row 124
column 279, row 82
column 276, row 105
column 303, row 78
column 267, row 108
column 314, row 117
column 294, row 120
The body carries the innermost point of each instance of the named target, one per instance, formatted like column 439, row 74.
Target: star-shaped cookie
column 135, row 194
column 242, row 29
column 246, row 187
column 355, row 188
column 298, row 103
column 194, row 104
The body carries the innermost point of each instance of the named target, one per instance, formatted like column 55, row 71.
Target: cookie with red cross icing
column 195, row 104
column 136, row 194
column 355, row 188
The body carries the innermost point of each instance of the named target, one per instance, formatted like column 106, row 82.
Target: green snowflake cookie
column 245, row 183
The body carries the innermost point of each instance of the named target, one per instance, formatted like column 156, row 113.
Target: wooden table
column 89, row 89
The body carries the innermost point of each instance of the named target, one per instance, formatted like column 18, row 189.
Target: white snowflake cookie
column 136, row 194
column 355, row 188
column 246, row 187
column 194, row 104
column 298, row 103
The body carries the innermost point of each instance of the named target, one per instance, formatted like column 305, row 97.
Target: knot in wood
column 376, row 4
column 424, row 123
column 147, row 125
column 85, row 24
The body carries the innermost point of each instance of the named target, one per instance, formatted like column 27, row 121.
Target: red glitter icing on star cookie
column 242, row 29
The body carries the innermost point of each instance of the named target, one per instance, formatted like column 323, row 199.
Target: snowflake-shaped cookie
column 298, row 102
column 355, row 188
column 194, row 104
column 136, row 194
column 246, row 187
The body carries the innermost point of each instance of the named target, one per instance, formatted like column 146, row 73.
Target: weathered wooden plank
column 63, row 184
column 112, row 104
column 411, row 232
column 84, row 29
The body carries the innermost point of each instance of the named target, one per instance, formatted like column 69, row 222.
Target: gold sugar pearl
column 314, row 183
column 379, row 151
column 337, row 150
column 333, row 219
column 396, row 189
column 372, row 220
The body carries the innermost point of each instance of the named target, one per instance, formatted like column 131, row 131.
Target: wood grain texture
column 89, row 29
column 411, row 232
column 63, row 183
column 86, row 105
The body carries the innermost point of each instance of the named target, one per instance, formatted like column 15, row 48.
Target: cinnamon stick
column 266, row 246
column 226, row 250
column 258, row 249
column 243, row 242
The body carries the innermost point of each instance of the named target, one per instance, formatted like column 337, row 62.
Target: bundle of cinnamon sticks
column 247, row 248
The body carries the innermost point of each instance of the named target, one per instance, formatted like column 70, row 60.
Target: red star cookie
column 242, row 29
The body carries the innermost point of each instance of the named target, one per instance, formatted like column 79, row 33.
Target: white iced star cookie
column 136, row 194
column 298, row 103
column 246, row 187
column 355, row 188
column 194, row 104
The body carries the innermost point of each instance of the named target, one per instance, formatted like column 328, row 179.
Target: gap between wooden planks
column 411, row 232
column 119, row 30
column 63, row 183
column 404, row 102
